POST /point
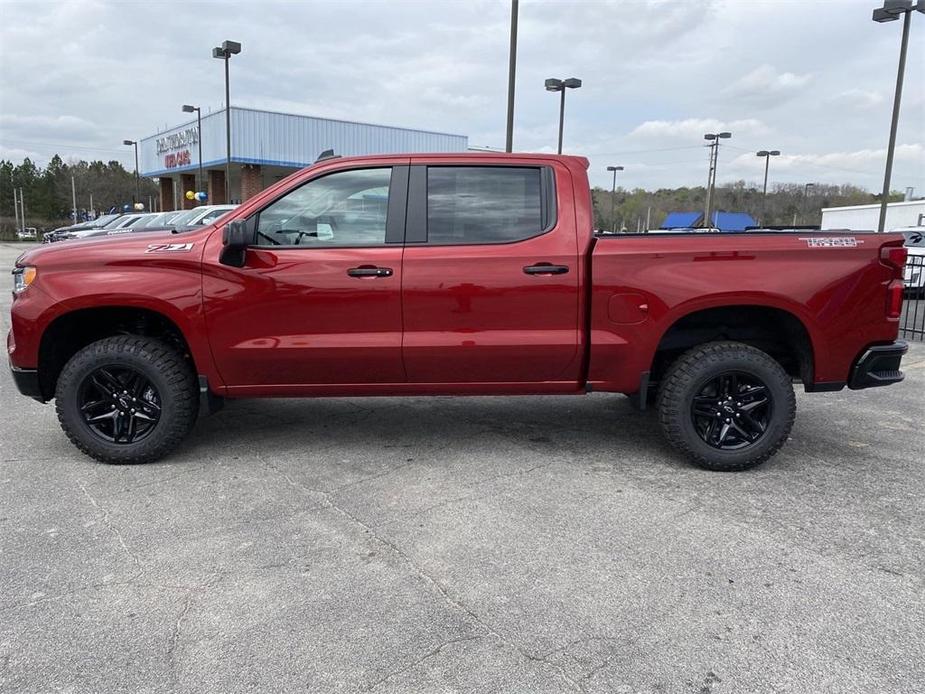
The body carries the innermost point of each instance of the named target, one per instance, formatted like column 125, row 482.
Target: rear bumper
column 878, row 366
column 27, row 382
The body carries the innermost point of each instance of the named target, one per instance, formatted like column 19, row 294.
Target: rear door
column 491, row 279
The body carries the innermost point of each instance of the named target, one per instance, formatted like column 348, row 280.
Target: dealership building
column 265, row 147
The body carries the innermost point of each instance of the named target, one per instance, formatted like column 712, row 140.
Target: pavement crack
column 177, row 628
column 410, row 666
column 173, row 641
column 471, row 495
column 107, row 521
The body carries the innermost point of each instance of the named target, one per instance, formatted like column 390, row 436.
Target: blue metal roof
column 280, row 139
column 733, row 221
column 682, row 220
column 724, row 221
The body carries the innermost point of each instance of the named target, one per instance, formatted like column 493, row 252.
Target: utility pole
column 74, row 198
column 714, row 139
column 648, row 218
column 512, row 67
column 706, row 212
column 15, row 208
column 22, row 210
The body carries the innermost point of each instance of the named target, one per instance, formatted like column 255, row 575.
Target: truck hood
column 110, row 249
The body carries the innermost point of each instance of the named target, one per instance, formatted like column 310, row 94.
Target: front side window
column 345, row 208
column 482, row 204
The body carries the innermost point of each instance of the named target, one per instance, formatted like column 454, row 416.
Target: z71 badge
column 169, row 248
column 831, row 241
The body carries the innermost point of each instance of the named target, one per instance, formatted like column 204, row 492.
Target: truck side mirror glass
column 235, row 239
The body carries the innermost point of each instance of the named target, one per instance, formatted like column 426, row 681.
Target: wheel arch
column 71, row 331
column 777, row 331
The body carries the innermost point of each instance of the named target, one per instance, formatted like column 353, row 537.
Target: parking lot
column 530, row 544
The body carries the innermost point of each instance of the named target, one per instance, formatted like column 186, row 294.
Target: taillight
column 894, row 299
column 895, row 257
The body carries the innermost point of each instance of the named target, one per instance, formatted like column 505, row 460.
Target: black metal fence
column 912, row 322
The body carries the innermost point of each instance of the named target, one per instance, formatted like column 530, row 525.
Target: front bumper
column 878, row 366
column 27, row 382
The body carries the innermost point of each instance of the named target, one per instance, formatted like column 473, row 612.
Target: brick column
column 187, row 182
column 166, row 190
column 251, row 181
column 217, row 195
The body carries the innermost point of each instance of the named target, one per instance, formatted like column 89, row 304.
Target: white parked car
column 914, row 276
column 27, row 234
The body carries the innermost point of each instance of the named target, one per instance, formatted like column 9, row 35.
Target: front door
column 318, row 300
column 490, row 276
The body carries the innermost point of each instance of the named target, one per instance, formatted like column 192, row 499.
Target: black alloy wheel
column 119, row 404
column 726, row 406
column 732, row 411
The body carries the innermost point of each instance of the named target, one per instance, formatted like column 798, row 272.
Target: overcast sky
column 812, row 78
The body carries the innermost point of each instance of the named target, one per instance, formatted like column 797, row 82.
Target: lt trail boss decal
column 169, row 248
column 831, row 241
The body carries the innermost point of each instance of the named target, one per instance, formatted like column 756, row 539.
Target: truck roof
column 476, row 155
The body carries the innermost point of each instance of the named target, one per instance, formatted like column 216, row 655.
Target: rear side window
column 481, row 205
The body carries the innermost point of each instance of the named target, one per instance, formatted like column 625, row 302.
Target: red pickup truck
column 460, row 274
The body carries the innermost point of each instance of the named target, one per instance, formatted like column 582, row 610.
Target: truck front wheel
column 126, row 399
column 727, row 406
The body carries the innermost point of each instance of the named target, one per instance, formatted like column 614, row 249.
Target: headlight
column 22, row 278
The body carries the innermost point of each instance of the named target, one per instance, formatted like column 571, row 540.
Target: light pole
column 134, row 143
column 556, row 85
column 613, row 196
column 189, row 109
column 714, row 139
column 224, row 52
column 767, row 159
column 889, row 13
column 511, row 68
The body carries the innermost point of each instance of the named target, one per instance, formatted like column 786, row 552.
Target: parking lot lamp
column 134, row 143
column 890, row 13
column 556, row 85
column 224, row 52
column 764, row 196
column 189, row 109
column 613, row 196
column 714, row 139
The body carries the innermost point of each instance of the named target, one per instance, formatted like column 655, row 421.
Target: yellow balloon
column 190, row 195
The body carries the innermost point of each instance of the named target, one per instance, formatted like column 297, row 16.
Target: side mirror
column 235, row 239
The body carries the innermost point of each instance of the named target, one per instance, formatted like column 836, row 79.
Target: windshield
column 215, row 214
column 138, row 222
column 157, row 220
column 184, row 218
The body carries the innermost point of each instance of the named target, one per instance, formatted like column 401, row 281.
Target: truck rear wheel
column 726, row 405
column 127, row 399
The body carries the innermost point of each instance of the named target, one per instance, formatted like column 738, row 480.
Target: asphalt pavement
column 526, row 544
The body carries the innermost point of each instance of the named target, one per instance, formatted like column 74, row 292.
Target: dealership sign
column 176, row 146
column 178, row 140
column 175, row 159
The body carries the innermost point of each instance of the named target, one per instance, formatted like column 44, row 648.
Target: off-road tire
column 696, row 367
column 166, row 369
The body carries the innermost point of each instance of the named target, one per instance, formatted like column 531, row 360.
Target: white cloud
column 766, row 80
column 858, row 98
column 693, row 129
